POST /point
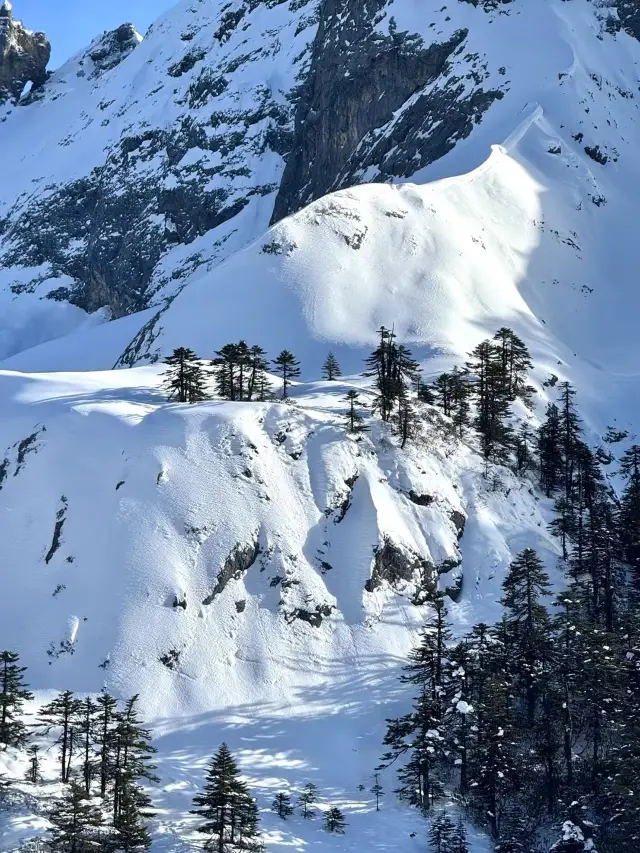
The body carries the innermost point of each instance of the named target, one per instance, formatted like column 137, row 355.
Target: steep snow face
column 124, row 181
column 254, row 572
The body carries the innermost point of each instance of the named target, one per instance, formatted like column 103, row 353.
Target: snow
column 156, row 497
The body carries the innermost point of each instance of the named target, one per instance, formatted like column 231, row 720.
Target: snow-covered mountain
column 296, row 174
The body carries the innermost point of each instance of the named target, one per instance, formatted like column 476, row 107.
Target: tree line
column 535, row 721
column 105, row 756
column 478, row 395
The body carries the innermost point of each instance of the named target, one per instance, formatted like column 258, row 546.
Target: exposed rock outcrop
column 112, row 48
column 237, row 563
column 23, row 56
column 359, row 78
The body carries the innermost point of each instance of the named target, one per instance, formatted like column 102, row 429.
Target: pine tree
column 494, row 765
column 334, row 821
column 442, row 834
column 131, row 832
column 185, row 379
column 550, row 451
column 229, row 814
column 407, row 420
column 525, row 588
column 105, row 742
column 77, row 823
column 86, row 726
column 307, row 800
column 33, row 773
column 377, row 790
column 282, row 805
column 492, row 401
column 524, row 443
column 13, row 695
column 629, row 519
column 516, row 364
column 354, row 418
column 460, row 843
column 331, row 369
column 133, row 756
column 419, row 734
column 287, row 368
column 258, row 380
column 394, row 370
column 62, row 713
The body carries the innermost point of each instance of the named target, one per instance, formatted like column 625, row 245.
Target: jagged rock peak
column 23, row 55
column 112, row 47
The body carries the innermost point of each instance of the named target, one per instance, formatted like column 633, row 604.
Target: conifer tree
column 377, row 790
column 442, row 834
column 354, row 418
column 104, row 733
column 13, row 694
column 258, row 380
column 307, row 800
column 550, row 451
column 460, row 843
column 516, row 364
column 629, row 520
column 33, row 773
column 62, row 714
column 282, row 805
column 492, row 399
column 229, row 814
column 225, row 371
column 131, row 832
column 525, row 588
column 77, row 823
column 287, row 368
column 494, row 766
column 331, row 369
column 185, row 379
column 133, row 758
column 524, row 443
column 334, row 820
column 419, row 734
column 406, row 419
column 86, row 724
column 394, row 370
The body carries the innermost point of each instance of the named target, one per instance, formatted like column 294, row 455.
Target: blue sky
column 72, row 24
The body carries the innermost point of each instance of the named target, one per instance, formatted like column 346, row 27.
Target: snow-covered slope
column 250, row 569
column 480, row 180
column 139, row 167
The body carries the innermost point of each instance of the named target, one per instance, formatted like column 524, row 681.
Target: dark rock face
column 628, row 17
column 23, row 56
column 394, row 565
column 112, row 48
column 237, row 563
column 359, row 78
column 371, row 103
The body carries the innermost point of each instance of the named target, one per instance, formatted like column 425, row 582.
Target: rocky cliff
column 23, row 56
column 139, row 166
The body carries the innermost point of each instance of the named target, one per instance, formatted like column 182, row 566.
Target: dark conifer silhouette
column 287, row 369
column 185, row 378
column 354, row 418
column 334, row 820
column 13, row 694
column 282, row 805
column 229, row 814
column 331, row 368
column 62, row 716
column 307, row 799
